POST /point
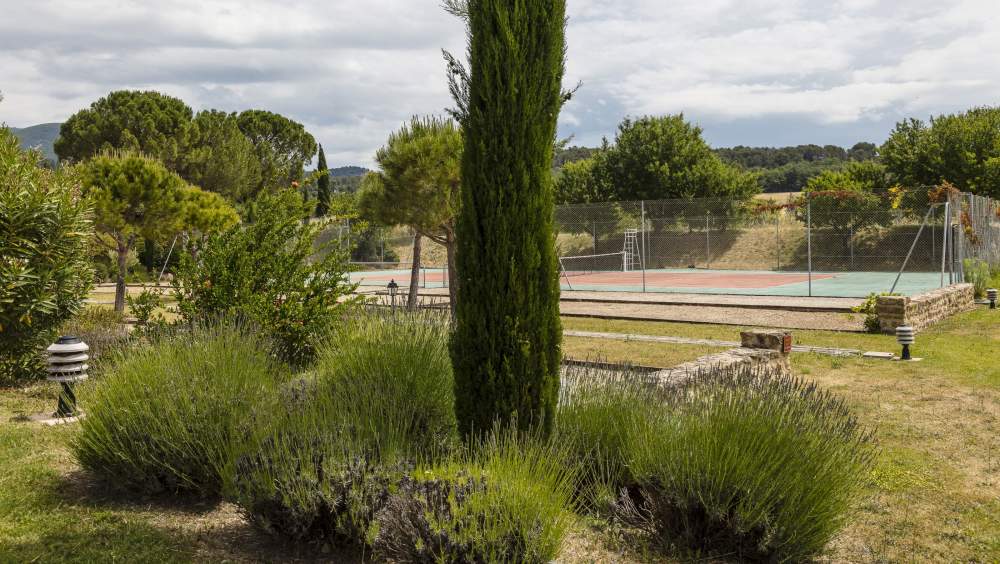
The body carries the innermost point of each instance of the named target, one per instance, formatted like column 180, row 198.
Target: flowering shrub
column 45, row 273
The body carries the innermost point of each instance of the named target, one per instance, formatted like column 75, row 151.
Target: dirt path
column 829, row 321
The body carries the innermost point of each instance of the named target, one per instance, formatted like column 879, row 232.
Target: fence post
column 593, row 262
column 708, row 241
column 912, row 247
column 850, row 240
column 933, row 241
column 960, row 265
column 642, row 233
column 945, row 228
column 777, row 238
column 809, row 243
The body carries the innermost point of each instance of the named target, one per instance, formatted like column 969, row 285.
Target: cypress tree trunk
column 506, row 343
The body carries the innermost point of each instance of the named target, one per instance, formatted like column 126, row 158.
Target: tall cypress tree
column 322, row 186
column 506, row 343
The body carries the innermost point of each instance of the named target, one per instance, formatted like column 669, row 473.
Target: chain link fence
column 841, row 243
column 826, row 234
column 975, row 221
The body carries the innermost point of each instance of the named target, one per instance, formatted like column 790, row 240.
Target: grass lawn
column 633, row 352
column 840, row 339
column 934, row 496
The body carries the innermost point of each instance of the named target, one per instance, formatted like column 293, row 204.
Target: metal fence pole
column 809, row 243
column 933, row 241
column 642, row 252
column 945, row 228
column 708, row 241
column 960, row 265
column 850, row 241
column 912, row 247
column 777, row 238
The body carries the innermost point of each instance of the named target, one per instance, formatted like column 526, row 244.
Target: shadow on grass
column 78, row 518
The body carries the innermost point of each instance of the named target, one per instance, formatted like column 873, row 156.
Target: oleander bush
column 748, row 464
column 45, row 274
column 162, row 416
column 510, row 501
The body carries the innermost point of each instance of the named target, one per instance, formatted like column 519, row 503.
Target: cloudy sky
column 752, row 72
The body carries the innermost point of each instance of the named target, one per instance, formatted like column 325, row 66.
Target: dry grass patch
column 643, row 353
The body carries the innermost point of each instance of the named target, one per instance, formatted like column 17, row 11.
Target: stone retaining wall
column 761, row 349
column 925, row 309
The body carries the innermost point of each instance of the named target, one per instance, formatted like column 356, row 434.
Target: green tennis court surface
column 757, row 283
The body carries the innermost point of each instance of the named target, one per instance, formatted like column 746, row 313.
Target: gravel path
column 828, row 321
column 828, row 314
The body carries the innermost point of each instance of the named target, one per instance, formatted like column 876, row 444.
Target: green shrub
column 300, row 474
column 162, row 416
column 509, row 502
column 981, row 276
column 271, row 271
column 392, row 375
column 143, row 305
column 597, row 410
column 749, row 465
column 318, row 463
column 870, row 309
column 44, row 269
column 103, row 329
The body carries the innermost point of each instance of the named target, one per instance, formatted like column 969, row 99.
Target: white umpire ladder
column 631, row 259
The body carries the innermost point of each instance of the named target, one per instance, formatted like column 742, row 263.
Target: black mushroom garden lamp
column 905, row 336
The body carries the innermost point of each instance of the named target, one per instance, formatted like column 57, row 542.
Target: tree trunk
column 411, row 298
column 120, row 283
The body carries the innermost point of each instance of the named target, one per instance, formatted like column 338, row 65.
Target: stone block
column 780, row 341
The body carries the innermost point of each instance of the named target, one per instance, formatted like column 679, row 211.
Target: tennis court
column 703, row 281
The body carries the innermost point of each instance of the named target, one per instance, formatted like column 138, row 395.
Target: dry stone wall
column 761, row 349
column 925, row 309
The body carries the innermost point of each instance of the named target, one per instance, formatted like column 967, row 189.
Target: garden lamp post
column 393, row 289
column 906, row 337
column 991, row 295
column 67, row 364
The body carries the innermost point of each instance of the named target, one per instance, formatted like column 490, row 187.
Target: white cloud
column 352, row 71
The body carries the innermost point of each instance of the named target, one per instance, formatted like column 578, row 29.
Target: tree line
column 665, row 157
column 155, row 170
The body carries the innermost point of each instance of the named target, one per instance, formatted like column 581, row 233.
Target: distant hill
column 40, row 136
column 348, row 171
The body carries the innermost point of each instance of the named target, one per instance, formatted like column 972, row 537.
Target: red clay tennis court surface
column 746, row 282
column 681, row 279
column 666, row 279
